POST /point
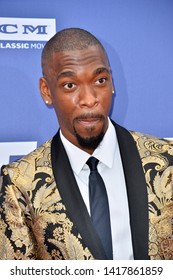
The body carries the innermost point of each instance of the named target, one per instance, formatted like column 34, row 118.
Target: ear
column 113, row 87
column 45, row 91
column 112, row 82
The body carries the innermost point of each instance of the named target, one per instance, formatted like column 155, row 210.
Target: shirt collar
column 104, row 152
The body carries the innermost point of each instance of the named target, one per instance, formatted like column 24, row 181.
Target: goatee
column 89, row 142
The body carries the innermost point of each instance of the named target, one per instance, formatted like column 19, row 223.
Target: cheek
column 64, row 108
column 106, row 102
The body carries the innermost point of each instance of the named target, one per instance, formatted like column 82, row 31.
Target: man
column 46, row 210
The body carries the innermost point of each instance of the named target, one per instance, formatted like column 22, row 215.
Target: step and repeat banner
column 137, row 36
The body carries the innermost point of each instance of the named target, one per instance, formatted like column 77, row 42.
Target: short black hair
column 69, row 39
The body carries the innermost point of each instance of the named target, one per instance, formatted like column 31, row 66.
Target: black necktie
column 99, row 206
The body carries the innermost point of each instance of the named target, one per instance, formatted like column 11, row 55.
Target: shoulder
column 25, row 168
column 152, row 148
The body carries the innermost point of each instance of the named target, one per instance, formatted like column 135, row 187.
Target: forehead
column 77, row 60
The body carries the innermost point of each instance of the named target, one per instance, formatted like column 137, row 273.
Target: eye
column 69, row 85
column 101, row 81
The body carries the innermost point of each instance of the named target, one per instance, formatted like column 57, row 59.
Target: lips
column 89, row 120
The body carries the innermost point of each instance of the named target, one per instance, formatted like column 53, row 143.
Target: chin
column 90, row 142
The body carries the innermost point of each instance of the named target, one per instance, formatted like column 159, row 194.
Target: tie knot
column 92, row 162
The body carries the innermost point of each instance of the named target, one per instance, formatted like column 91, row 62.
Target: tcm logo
column 27, row 29
column 13, row 28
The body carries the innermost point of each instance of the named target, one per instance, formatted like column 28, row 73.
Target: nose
column 88, row 97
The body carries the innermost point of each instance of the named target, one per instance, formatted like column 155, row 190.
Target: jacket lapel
column 136, row 191
column 72, row 199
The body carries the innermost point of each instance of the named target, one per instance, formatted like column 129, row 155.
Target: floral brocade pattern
column 34, row 222
column 157, row 161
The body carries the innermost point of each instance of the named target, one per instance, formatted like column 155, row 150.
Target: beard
column 90, row 142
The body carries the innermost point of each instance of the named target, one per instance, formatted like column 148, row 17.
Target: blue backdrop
column 137, row 35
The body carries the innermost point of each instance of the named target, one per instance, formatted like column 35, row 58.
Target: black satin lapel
column 136, row 191
column 72, row 198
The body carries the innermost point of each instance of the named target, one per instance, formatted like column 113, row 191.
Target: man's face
column 79, row 86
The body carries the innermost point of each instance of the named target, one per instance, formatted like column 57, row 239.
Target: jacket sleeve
column 16, row 239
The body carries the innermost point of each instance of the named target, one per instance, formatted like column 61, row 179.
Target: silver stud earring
column 113, row 92
column 47, row 102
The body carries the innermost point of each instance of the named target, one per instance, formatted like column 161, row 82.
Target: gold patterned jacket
column 43, row 216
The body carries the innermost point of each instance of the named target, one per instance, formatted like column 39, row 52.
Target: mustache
column 89, row 116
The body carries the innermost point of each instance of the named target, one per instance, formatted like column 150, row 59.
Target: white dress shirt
column 111, row 170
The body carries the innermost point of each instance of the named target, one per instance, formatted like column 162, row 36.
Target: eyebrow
column 73, row 74
column 66, row 74
column 101, row 70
